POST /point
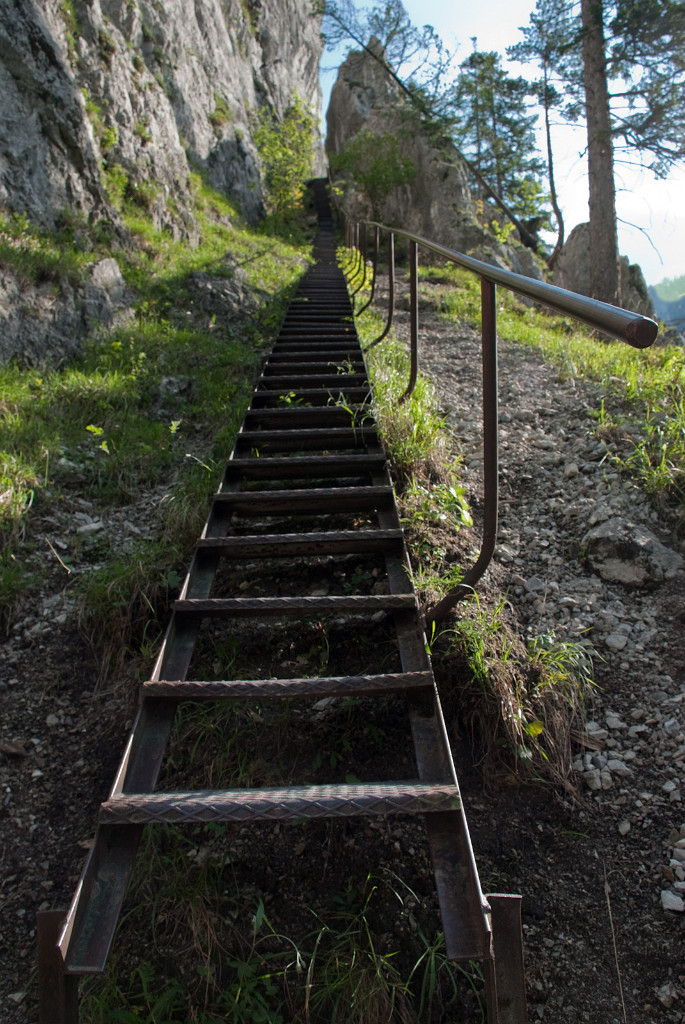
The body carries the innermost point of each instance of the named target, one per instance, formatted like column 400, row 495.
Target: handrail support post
column 413, row 319
column 488, row 292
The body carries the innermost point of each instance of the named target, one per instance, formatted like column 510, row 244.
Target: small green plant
column 413, row 432
column 38, row 256
column 221, row 115
column 107, row 47
column 376, row 165
column 238, row 966
column 501, row 231
column 521, row 702
column 286, row 149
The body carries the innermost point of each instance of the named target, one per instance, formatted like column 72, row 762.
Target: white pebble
column 670, row 901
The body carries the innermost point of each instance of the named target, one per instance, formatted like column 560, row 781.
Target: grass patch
column 521, row 701
column 239, row 964
column 154, row 403
column 40, row 257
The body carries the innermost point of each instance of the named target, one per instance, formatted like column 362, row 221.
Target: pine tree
column 548, row 41
column 495, row 129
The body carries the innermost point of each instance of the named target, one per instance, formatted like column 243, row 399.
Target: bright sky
column 657, row 207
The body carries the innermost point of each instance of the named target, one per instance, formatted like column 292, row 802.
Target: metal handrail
column 632, row 328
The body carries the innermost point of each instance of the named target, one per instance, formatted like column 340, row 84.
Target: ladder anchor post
column 57, row 990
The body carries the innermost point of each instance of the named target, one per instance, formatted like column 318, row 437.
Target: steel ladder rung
column 315, row 686
column 287, row 545
column 280, row 804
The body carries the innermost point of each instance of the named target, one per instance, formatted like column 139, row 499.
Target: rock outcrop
column 39, row 321
column 103, row 99
column 572, row 271
column 438, row 202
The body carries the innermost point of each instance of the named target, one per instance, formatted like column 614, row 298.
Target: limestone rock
column 159, row 81
column 572, row 271
column 624, row 552
column 110, row 97
column 46, row 322
column 438, row 203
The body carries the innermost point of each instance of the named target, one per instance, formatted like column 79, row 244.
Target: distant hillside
column 671, row 288
column 669, row 301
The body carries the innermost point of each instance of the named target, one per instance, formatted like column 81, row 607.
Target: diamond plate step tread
column 305, row 499
column 279, row 804
column 303, row 440
column 321, row 686
column 355, row 398
column 239, row 606
column 298, row 465
column 333, row 380
column 285, row 545
column 293, row 416
column 303, row 369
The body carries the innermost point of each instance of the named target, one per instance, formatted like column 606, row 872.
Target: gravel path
column 603, row 876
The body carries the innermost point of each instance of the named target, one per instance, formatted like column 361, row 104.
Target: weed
column 38, row 256
column 413, row 432
column 221, row 115
column 238, row 966
column 521, row 702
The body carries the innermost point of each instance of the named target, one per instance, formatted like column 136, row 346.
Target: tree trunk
column 550, row 175
column 604, row 267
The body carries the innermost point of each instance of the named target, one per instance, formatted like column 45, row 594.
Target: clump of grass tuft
column 521, row 702
column 238, row 965
column 414, row 431
column 39, row 256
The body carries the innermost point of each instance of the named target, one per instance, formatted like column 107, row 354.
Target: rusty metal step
column 289, row 467
column 288, row 545
column 280, row 804
column 312, row 397
column 276, row 367
column 337, row 354
column 320, row 686
column 294, row 416
column 306, row 440
column 233, row 607
column 319, row 499
column 290, row 382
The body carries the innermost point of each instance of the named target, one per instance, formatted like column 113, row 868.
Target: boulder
column 572, row 271
column 624, row 552
column 45, row 323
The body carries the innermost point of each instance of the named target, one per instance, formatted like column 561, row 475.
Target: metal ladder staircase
column 308, row 453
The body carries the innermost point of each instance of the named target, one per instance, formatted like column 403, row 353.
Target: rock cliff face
column 106, row 98
column 146, row 87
